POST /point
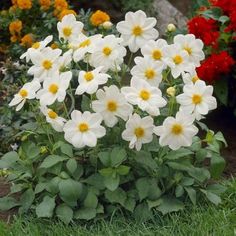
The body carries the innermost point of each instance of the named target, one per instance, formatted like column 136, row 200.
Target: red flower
column 232, row 24
column 215, row 66
column 226, row 5
column 205, row 29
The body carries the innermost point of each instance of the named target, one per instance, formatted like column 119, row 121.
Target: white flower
column 90, row 80
column 83, row 129
column 108, row 53
column 82, row 45
column 65, row 60
column 190, row 77
column 138, row 131
column 36, row 46
column 197, row 99
column 28, row 91
column 45, row 63
column 69, row 28
column 52, row 117
column 54, row 88
column 177, row 132
column 177, row 59
column 148, row 70
column 154, row 50
column 137, row 29
column 111, row 104
column 147, row 98
column 193, row 46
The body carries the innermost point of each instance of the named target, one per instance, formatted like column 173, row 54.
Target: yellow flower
column 14, row 2
column 24, row 4
column 99, row 17
column 66, row 12
column 27, row 41
column 15, row 27
column 45, row 4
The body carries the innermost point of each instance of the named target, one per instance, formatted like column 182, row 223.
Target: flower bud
column 107, row 25
column 171, row 28
column 43, row 150
column 171, row 91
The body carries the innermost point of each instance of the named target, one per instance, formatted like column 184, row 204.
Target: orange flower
column 27, row 41
column 14, row 38
column 66, row 12
column 54, row 45
column 15, row 27
column 45, row 4
column 24, row 4
column 99, row 17
column 60, row 4
column 14, row 2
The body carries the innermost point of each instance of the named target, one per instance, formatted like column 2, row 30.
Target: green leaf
column 146, row 160
column 118, row 155
column 200, row 174
column 129, row 204
column 91, row 200
column 186, row 181
column 46, row 207
column 223, row 19
column 216, row 188
column 85, row 213
column 201, row 155
column 6, row 203
column 31, row 149
column 9, row 159
column 213, row 13
column 217, row 165
column 142, row 186
column 112, row 183
column 51, row 160
column 182, row 152
column 96, row 180
column 142, row 213
column 106, row 172
column 117, row 196
column 70, row 191
column 67, row 149
column 215, row 199
column 64, row 213
column 71, row 165
column 192, row 194
column 26, row 200
column 179, row 191
column 86, row 103
column 78, row 172
column 179, row 166
column 169, row 204
column 123, row 170
column 40, row 187
column 153, row 204
column 220, row 137
column 104, row 157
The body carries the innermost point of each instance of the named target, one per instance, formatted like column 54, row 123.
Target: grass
column 200, row 220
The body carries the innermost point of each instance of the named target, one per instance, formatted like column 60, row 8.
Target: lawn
column 199, row 220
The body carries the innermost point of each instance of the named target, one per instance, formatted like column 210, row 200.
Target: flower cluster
column 93, row 66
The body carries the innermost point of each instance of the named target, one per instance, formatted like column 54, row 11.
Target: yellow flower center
column 36, row 45
column 67, row 31
column 177, row 129
column 85, row 43
column 144, row 94
column 107, row 51
column 150, row 73
column 52, row 114
column 196, row 99
column 195, row 79
column 139, row 132
column 137, row 31
column 188, row 50
column 83, row 127
column 177, row 59
column 156, row 54
column 112, row 106
column 88, row 76
column 53, row 88
column 47, row 64
column 23, row 93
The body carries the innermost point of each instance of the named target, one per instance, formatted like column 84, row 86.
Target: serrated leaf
column 64, row 213
column 169, row 204
column 117, row 196
column 46, row 207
